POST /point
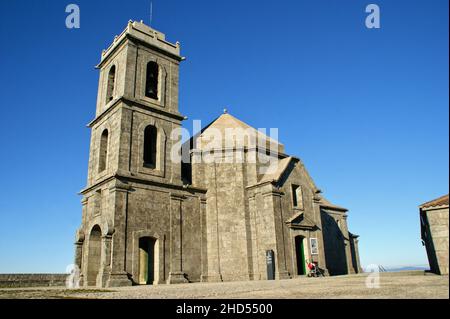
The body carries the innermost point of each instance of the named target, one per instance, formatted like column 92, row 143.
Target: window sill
column 149, row 166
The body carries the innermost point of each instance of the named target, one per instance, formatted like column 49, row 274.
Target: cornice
column 134, row 102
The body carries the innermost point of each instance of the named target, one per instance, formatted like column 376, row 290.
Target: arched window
column 103, row 155
column 151, row 80
column 150, row 138
column 110, row 87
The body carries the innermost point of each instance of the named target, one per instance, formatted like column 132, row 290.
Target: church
column 233, row 210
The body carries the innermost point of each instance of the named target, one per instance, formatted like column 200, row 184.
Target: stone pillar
column 348, row 248
column 212, row 229
column 348, row 255
column 358, row 262
column 79, row 241
column 78, row 260
column 78, row 253
column 280, row 229
column 176, row 274
column 105, row 268
column 254, row 237
column 204, row 241
column 118, row 202
column 319, row 234
column 80, row 238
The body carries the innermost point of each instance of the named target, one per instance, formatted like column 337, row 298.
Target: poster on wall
column 314, row 246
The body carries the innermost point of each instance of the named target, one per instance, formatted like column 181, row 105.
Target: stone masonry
column 148, row 218
column 434, row 225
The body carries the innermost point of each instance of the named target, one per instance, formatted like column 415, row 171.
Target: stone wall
column 149, row 215
column 334, row 242
column 32, row 280
column 438, row 222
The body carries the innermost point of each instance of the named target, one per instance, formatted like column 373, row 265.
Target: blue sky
column 366, row 110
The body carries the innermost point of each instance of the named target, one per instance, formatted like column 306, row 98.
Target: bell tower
column 137, row 109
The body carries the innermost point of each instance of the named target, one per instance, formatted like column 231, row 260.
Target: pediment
column 300, row 221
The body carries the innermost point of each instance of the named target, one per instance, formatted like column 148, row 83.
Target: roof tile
column 441, row 201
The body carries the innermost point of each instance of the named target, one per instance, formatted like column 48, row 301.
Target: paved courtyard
column 392, row 285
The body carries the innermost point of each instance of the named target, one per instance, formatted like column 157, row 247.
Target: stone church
column 149, row 218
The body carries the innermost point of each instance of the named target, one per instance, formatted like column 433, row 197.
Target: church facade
column 222, row 212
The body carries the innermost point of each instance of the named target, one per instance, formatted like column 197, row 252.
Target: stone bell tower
column 137, row 108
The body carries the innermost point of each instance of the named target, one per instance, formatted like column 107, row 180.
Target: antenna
column 151, row 13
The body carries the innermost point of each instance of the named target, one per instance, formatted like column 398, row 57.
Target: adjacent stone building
column 150, row 218
column 434, row 229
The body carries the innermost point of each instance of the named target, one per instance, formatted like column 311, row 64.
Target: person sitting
column 312, row 268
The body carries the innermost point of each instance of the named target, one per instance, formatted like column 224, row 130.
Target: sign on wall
column 314, row 246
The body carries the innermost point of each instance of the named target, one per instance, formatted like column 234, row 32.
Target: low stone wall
column 32, row 280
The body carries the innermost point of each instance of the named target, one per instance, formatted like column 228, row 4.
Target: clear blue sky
column 366, row 110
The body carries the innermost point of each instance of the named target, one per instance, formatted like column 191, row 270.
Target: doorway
column 300, row 255
column 147, row 261
column 94, row 255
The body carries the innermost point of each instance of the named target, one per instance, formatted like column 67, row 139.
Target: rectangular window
column 150, row 145
column 297, row 196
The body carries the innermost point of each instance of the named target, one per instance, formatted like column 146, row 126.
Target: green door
column 300, row 254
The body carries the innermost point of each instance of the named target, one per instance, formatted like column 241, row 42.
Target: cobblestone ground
column 392, row 285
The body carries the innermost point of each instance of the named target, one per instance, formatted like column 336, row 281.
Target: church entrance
column 300, row 255
column 94, row 255
column 147, row 260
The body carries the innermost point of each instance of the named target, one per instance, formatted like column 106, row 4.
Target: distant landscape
column 408, row 268
column 400, row 268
